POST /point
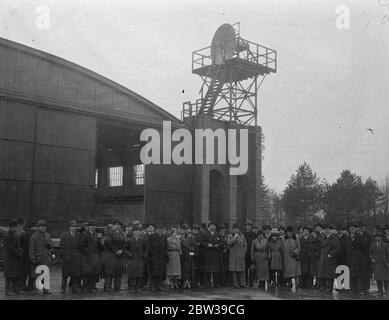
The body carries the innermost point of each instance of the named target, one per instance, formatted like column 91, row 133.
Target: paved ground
column 223, row 293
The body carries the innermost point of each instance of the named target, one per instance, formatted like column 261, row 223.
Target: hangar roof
column 36, row 77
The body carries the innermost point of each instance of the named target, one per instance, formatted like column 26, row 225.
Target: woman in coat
column 275, row 249
column 135, row 250
column 13, row 261
column 114, row 259
column 173, row 266
column 259, row 254
column 379, row 256
column 237, row 246
column 292, row 248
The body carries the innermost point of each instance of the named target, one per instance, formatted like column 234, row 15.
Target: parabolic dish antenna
column 223, row 44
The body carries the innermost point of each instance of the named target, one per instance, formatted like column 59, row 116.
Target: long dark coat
column 379, row 255
column 315, row 256
column 13, row 256
column 188, row 247
column 329, row 246
column 238, row 248
column 114, row 262
column 342, row 256
column 224, row 253
column 355, row 256
column 24, row 237
column 210, row 251
column 40, row 250
column 90, row 259
column 305, row 255
column 367, row 267
column 249, row 237
column 135, row 250
column 157, row 254
column 70, row 254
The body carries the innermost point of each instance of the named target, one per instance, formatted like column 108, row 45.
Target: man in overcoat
column 210, row 252
column 367, row 267
column 13, row 261
column 90, row 259
column 379, row 256
column 114, row 242
column 134, row 251
column 224, row 255
column 156, row 257
column 238, row 247
column 305, row 259
column 249, row 235
column 355, row 259
column 329, row 249
column 40, row 250
column 24, row 239
column 71, row 258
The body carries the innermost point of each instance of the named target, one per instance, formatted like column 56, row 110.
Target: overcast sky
column 331, row 85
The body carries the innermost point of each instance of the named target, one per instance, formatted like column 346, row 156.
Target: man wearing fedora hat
column 210, row 252
column 379, row 256
column 355, row 251
column 330, row 248
column 90, row 259
column 13, row 261
column 70, row 256
column 114, row 242
column 249, row 236
column 367, row 267
column 40, row 249
column 156, row 255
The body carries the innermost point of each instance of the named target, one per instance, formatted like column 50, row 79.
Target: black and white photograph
column 194, row 150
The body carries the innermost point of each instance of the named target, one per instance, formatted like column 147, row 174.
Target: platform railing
column 190, row 109
column 244, row 49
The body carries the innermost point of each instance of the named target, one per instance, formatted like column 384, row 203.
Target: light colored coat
column 173, row 266
column 292, row 250
column 238, row 247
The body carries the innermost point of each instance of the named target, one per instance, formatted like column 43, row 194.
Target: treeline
column 308, row 199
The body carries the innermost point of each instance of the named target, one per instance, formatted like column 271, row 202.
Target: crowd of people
column 199, row 256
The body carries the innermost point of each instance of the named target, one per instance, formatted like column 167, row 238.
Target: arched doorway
column 216, row 197
column 242, row 199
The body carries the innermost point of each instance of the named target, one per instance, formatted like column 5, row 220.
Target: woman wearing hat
column 259, row 255
column 379, row 256
column 114, row 264
column 173, row 266
column 275, row 254
column 13, row 261
column 238, row 246
column 292, row 249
